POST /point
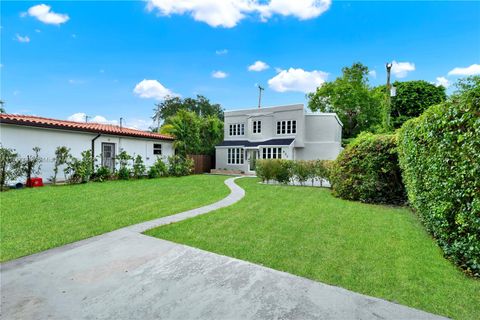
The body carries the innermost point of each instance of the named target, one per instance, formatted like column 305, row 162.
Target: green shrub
column 302, row 171
column 124, row 172
column 102, row 174
column 80, row 170
column 283, row 170
column 265, row 169
column 158, row 169
column 322, row 170
column 10, row 166
column 440, row 158
column 138, row 167
column 180, row 166
column 367, row 170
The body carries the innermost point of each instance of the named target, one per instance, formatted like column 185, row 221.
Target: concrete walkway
column 127, row 275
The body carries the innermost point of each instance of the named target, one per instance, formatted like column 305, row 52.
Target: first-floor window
column 157, row 149
column 272, row 153
column 235, row 156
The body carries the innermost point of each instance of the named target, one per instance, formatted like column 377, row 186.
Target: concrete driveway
column 127, row 275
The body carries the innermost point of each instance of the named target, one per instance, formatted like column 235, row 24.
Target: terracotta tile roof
column 34, row 121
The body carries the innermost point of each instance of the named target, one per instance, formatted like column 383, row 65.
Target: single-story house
column 22, row 133
column 280, row 132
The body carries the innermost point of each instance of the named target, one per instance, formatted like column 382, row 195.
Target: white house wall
column 23, row 139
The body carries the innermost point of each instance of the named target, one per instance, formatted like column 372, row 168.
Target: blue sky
column 63, row 58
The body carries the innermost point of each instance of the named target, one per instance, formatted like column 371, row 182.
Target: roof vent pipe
column 121, row 123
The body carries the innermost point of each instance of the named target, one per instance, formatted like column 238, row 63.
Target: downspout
column 93, row 151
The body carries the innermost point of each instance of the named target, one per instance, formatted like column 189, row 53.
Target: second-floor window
column 287, row 127
column 257, row 126
column 237, row 129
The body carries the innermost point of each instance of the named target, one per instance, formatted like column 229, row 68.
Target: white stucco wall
column 23, row 139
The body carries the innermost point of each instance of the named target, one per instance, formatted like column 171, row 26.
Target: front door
column 108, row 155
column 252, row 160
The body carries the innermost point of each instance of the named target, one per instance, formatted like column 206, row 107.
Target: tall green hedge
column 367, row 170
column 440, row 158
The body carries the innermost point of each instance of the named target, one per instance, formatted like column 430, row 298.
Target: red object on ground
column 34, row 182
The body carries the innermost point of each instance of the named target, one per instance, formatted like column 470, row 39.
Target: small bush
column 102, row 174
column 302, row 171
column 265, row 169
column 79, row 170
column 440, row 157
column 138, row 167
column 180, row 166
column 367, row 170
column 124, row 171
column 159, row 169
column 10, row 166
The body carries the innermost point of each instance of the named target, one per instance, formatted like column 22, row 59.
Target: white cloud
column 81, row 117
column 472, row 70
column 43, row 13
column 219, row 74
column 442, row 81
column 136, row 123
column 258, row 66
column 152, row 89
column 221, row 52
column 38, row 30
column 23, row 14
column 401, row 69
column 301, row 9
column 20, row 38
column 373, row 74
column 228, row 13
column 297, row 80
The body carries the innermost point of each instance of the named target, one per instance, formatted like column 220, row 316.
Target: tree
column 32, row 164
column 2, row 108
column 211, row 134
column 200, row 105
column 185, row 127
column 10, row 166
column 62, row 155
column 351, row 98
column 411, row 99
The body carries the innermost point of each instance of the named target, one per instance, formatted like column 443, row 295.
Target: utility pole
column 86, row 118
column 260, row 89
column 121, row 123
column 388, row 108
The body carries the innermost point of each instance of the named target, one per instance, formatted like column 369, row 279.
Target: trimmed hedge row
column 440, row 157
column 367, row 170
column 286, row 171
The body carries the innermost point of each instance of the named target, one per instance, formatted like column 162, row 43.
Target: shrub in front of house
column 440, row 158
column 180, row 166
column 367, row 170
column 158, row 169
column 287, row 171
column 102, row 174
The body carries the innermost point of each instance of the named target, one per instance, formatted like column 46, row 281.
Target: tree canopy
column 411, row 99
column 350, row 96
column 193, row 134
column 200, row 105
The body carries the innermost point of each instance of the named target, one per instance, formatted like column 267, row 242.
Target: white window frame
column 271, row 153
column 235, row 156
column 257, row 126
column 236, row 129
column 157, row 147
column 285, row 127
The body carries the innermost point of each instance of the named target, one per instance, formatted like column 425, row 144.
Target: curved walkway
column 127, row 275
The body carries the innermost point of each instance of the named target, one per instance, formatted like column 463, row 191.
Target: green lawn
column 34, row 220
column 376, row 250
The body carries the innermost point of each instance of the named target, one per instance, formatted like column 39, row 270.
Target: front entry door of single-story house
column 108, row 155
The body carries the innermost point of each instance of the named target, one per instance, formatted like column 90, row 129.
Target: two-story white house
column 283, row 132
